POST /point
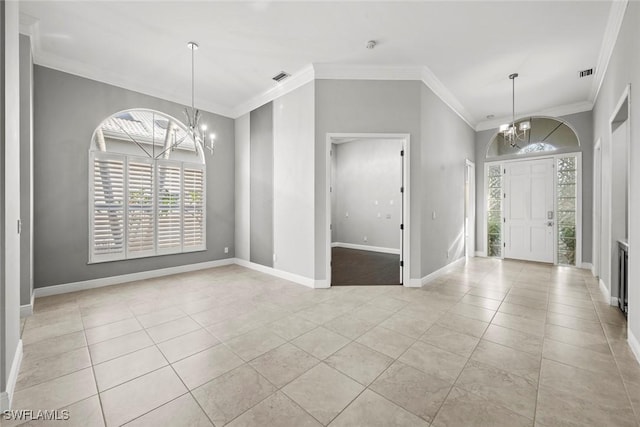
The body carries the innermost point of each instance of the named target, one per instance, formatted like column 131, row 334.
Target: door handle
column 550, row 224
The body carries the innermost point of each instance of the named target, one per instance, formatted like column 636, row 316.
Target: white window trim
column 125, row 255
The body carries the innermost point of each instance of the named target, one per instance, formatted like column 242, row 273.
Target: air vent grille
column 585, row 73
column 281, row 76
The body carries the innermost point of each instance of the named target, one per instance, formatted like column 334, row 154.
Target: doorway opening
column 367, row 209
column 614, row 215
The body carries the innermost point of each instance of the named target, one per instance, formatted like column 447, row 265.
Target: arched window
column 146, row 188
column 546, row 136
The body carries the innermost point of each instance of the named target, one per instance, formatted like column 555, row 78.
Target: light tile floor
column 492, row 343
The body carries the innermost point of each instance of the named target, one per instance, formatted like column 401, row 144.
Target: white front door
column 529, row 212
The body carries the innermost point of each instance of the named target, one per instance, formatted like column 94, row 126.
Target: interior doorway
column 529, row 210
column 367, row 209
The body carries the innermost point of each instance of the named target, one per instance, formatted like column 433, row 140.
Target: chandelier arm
column 134, row 140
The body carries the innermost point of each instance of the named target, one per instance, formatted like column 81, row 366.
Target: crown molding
column 292, row 83
column 30, row 26
column 614, row 23
column 81, row 69
column 441, row 91
column 562, row 110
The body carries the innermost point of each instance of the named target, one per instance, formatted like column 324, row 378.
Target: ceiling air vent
column 586, row 73
column 281, row 76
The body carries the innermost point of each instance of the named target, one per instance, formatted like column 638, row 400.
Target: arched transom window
column 547, row 135
column 146, row 188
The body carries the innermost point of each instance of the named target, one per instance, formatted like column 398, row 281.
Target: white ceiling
column 466, row 49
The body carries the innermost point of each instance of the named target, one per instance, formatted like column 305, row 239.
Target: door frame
column 470, row 206
column 405, row 250
column 555, row 157
column 597, row 208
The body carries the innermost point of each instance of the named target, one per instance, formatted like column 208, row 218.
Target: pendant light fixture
column 513, row 134
column 197, row 130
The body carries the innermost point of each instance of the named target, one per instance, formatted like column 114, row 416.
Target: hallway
column 501, row 343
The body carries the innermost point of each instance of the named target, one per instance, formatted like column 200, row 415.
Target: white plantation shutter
column 140, row 207
column 107, row 219
column 169, row 211
column 193, row 226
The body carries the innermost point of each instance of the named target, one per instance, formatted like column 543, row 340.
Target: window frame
column 126, row 159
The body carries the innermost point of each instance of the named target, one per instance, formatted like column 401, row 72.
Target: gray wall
column 447, row 141
column 26, row 170
column 242, row 171
column 368, row 177
column 582, row 123
column 261, row 199
column 9, row 194
column 366, row 106
column 624, row 69
column 293, row 179
column 67, row 109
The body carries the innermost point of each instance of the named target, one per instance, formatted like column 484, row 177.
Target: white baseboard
column 442, row 271
column 414, row 283
column 123, row 278
column 365, row 248
column 6, row 397
column 27, row 309
column 587, row 266
column 605, row 292
column 306, row 281
column 482, row 254
column 634, row 344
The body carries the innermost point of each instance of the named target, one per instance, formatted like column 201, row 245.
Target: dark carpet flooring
column 354, row 267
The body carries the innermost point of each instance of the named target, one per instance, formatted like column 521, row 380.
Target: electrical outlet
column 433, row 215
column 346, row 214
column 379, row 215
column 226, row 250
column 365, row 238
column 275, row 257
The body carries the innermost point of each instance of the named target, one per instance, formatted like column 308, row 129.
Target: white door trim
column 470, row 203
column 578, row 155
column 597, row 207
column 406, row 244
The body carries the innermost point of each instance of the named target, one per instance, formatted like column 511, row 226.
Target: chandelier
column 511, row 133
column 197, row 130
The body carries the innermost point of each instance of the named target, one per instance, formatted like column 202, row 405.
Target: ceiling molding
column 81, row 69
column 441, row 91
column 292, row 83
column 30, row 26
column 560, row 111
column 614, row 23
